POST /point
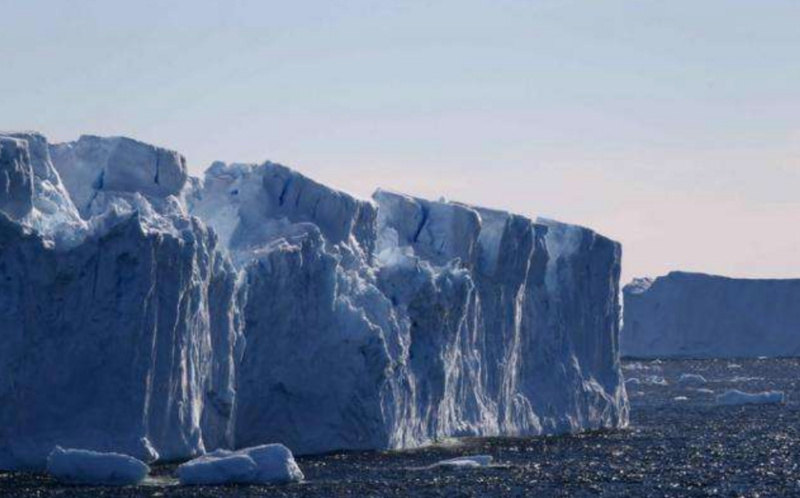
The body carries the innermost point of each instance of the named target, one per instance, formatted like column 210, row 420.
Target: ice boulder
column 736, row 397
column 90, row 467
column 694, row 315
column 266, row 464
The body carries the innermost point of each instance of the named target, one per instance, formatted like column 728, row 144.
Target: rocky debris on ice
column 95, row 468
column 691, row 379
column 465, row 462
column 266, row 464
column 694, row 315
column 162, row 316
column 736, row 397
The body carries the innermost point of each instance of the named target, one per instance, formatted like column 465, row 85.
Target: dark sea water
column 680, row 443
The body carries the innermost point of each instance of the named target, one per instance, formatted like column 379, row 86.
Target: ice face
column 258, row 306
column 16, row 178
column 706, row 316
column 119, row 337
column 92, row 165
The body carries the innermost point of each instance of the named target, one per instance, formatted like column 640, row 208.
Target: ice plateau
column 162, row 316
column 694, row 315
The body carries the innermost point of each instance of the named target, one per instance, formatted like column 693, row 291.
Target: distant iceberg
column 162, row 316
column 692, row 315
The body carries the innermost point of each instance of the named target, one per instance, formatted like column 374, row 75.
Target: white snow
column 91, row 467
column 693, row 379
column 266, row 464
column 736, row 397
column 466, row 462
column 694, row 315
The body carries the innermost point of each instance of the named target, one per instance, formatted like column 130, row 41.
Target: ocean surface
column 680, row 443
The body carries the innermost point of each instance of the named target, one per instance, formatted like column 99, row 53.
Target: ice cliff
column 706, row 316
column 150, row 313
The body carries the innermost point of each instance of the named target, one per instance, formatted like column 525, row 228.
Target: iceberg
column 266, row 464
column 163, row 316
column 90, row 467
column 736, row 397
column 692, row 315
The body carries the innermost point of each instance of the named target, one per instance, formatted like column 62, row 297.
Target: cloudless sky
column 671, row 126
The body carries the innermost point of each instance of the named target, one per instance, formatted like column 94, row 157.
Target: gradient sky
column 671, row 126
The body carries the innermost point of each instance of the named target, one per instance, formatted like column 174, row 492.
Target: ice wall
column 155, row 314
column 705, row 316
column 119, row 337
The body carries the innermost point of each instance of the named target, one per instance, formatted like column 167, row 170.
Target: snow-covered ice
column 90, row 467
column 162, row 316
column 266, row 464
column 693, row 315
column 736, row 397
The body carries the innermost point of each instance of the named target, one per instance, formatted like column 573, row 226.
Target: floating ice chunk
column 680, row 398
column 655, row 380
column 740, row 378
column 691, row 379
column 736, row 397
column 467, row 462
column 632, row 382
column 91, row 467
column 705, row 391
column 266, row 464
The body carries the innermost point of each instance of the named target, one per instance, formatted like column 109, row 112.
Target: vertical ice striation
column 150, row 313
column 117, row 338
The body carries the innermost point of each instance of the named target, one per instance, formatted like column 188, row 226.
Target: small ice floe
column 693, row 379
column 467, row 462
column 633, row 381
column 704, row 390
column 655, row 380
column 680, row 398
column 745, row 379
column 734, row 366
column 91, row 467
column 266, row 464
column 736, row 397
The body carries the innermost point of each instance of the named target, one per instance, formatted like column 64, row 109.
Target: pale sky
column 670, row 126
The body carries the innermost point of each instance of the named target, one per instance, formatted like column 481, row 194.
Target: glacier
column 151, row 313
column 694, row 315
